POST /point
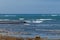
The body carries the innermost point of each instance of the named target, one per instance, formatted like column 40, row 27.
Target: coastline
column 36, row 25
column 21, row 38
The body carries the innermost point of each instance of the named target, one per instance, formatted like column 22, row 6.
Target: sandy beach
column 15, row 38
column 7, row 35
column 21, row 38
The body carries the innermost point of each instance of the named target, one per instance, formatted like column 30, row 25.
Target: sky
column 29, row 6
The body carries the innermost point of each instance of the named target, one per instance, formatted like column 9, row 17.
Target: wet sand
column 5, row 37
column 15, row 38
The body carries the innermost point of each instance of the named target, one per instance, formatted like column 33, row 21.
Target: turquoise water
column 29, row 16
column 37, row 24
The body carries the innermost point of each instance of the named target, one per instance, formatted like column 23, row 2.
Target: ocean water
column 44, row 25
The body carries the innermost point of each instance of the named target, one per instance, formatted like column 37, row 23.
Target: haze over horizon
column 29, row 6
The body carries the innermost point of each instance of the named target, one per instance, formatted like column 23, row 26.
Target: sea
column 43, row 25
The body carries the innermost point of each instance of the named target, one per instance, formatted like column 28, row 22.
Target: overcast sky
column 29, row 6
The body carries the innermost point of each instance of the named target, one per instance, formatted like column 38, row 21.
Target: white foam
column 9, row 15
column 46, row 19
column 26, row 24
column 34, row 21
column 37, row 21
column 21, row 18
column 4, row 19
column 28, row 21
column 54, row 15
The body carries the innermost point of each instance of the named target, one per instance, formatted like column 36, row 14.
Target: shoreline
column 26, row 34
column 12, row 36
column 21, row 38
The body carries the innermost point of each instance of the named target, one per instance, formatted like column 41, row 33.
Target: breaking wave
column 37, row 20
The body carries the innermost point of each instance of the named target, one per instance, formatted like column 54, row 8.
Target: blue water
column 43, row 29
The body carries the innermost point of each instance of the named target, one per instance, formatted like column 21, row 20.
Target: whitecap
column 37, row 21
column 9, row 15
column 28, row 21
column 33, row 21
column 54, row 15
column 46, row 19
column 4, row 19
column 21, row 18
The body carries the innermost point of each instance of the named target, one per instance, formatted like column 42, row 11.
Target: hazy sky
column 29, row 6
